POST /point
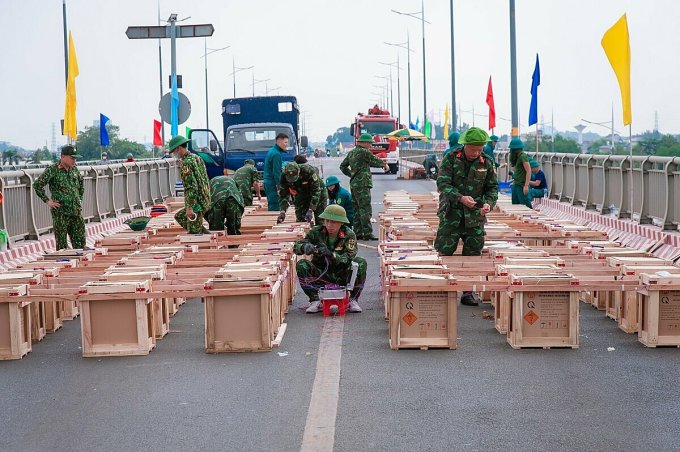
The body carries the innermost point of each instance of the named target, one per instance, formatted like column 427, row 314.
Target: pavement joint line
column 319, row 433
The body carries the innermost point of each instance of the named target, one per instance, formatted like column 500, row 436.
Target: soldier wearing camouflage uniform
column 333, row 247
column 246, row 177
column 468, row 190
column 226, row 205
column 67, row 190
column 357, row 166
column 196, row 187
column 302, row 183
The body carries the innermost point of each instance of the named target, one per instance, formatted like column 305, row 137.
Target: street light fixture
column 406, row 46
column 388, row 87
column 206, row 52
column 391, row 65
column 267, row 90
column 236, row 70
column 610, row 126
column 383, row 95
column 420, row 15
column 255, row 82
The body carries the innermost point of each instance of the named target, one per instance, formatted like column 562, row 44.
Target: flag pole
column 536, row 139
column 630, row 145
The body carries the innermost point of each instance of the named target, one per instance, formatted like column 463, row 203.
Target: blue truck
column 250, row 128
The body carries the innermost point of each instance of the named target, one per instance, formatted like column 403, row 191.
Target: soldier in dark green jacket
column 226, row 205
column 357, row 166
column 468, row 190
column 196, row 187
column 246, row 178
column 66, row 190
column 302, row 183
column 333, row 247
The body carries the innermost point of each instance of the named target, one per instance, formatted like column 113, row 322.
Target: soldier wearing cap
column 468, row 190
column 226, row 206
column 357, row 166
column 521, row 178
column 453, row 144
column 302, row 183
column 333, row 247
column 67, row 191
column 196, row 187
column 246, row 178
column 340, row 196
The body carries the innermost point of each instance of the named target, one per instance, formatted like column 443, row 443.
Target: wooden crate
column 599, row 299
column 54, row 315
column 113, row 324
column 38, row 330
column 544, row 319
column 628, row 305
column 501, row 311
column 422, row 312
column 15, row 323
column 659, row 311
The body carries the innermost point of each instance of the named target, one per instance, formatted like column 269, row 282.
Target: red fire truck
column 379, row 123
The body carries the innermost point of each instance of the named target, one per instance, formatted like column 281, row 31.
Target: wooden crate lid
column 232, row 273
column 536, row 280
column 240, row 282
column 617, row 261
column 516, row 270
column 115, row 287
column 152, row 268
column 661, row 280
column 197, row 238
column 135, row 275
column 146, row 261
column 61, row 263
column 520, row 252
column 251, row 265
column 14, row 290
column 21, row 277
column 638, row 269
column 602, row 254
column 553, row 260
column 78, row 254
column 145, row 253
column 420, row 280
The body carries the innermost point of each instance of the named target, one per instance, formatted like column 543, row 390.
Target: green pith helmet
column 474, row 135
column 516, row 143
column 365, row 138
column 332, row 180
column 335, row 212
column 453, row 140
column 534, row 164
column 249, row 162
column 493, row 138
column 176, row 142
column 292, row 171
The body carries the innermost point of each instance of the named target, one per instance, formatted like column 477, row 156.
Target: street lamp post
column 396, row 63
column 205, row 58
column 388, row 86
column 406, row 46
column 267, row 90
column 237, row 69
column 255, row 82
column 416, row 15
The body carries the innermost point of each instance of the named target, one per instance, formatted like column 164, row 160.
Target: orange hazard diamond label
column 531, row 317
column 410, row 318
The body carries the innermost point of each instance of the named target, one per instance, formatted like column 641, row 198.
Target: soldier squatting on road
column 357, row 166
column 67, row 190
column 246, row 178
column 333, row 247
column 468, row 190
column 196, row 187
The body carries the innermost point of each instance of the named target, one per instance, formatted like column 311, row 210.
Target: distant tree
column 89, row 148
column 562, row 145
column 340, row 135
column 41, row 155
column 668, row 147
column 10, row 157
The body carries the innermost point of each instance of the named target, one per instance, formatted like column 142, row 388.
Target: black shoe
column 468, row 299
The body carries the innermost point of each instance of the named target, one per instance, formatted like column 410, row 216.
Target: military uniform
column 320, row 271
column 245, row 177
column 341, row 196
column 196, row 192
column 460, row 177
column 517, row 159
column 272, row 175
column 357, row 166
column 226, row 205
column 307, row 192
column 67, row 188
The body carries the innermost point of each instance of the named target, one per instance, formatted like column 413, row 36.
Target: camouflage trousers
column 313, row 278
column 72, row 226
column 247, row 197
column 227, row 214
column 192, row 227
column 302, row 206
column 361, row 201
column 449, row 234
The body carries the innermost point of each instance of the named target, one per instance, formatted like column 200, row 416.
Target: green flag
column 187, row 131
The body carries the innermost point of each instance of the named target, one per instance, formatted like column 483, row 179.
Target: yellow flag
column 616, row 44
column 446, row 122
column 70, row 127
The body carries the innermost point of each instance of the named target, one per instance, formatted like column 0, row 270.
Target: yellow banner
column 616, row 45
column 70, row 126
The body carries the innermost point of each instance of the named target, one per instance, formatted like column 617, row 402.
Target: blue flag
column 535, row 81
column 174, row 107
column 103, row 133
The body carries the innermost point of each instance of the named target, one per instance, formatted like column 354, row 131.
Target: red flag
column 157, row 139
column 492, row 107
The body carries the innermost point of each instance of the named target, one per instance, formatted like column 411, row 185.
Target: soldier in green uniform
column 67, row 190
column 302, row 183
column 333, row 247
column 521, row 178
column 196, row 187
column 246, row 178
column 357, row 166
column 468, row 190
column 226, row 205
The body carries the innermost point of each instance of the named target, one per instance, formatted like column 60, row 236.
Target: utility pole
column 453, row 76
column 513, row 73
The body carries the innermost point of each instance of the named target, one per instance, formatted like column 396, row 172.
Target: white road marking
column 323, row 406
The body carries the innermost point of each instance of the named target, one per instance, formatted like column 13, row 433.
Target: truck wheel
column 393, row 168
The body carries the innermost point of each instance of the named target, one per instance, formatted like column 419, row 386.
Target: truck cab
column 379, row 123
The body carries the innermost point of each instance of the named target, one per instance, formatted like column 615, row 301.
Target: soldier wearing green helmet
column 521, row 178
column 468, row 190
column 246, row 178
column 303, row 185
column 333, row 248
column 357, row 166
column 453, row 143
column 490, row 149
column 339, row 195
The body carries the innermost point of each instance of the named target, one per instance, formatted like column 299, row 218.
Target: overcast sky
column 327, row 54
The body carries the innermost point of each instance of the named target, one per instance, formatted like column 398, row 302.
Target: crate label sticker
column 425, row 315
column 409, row 318
column 669, row 312
column 531, row 317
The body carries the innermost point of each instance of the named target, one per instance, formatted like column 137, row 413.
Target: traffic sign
column 184, row 108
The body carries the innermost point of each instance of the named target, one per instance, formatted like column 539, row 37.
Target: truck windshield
column 376, row 127
column 253, row 139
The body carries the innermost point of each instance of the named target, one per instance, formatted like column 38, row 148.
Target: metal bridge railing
column 602, row 183
column 110, row 190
